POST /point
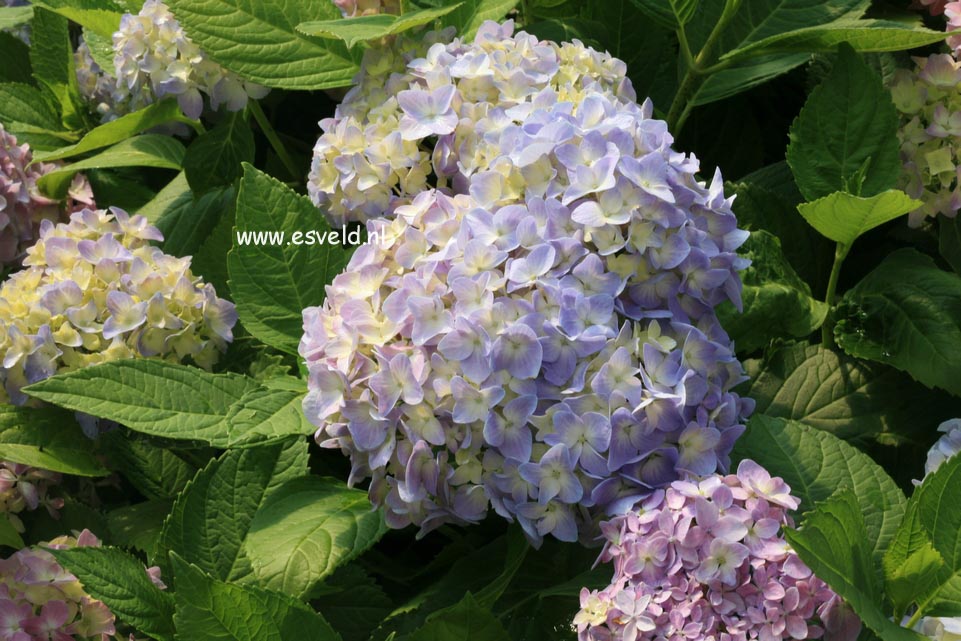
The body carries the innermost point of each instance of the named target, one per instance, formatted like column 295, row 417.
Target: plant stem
column 827, row 329
column 698, row 69
column 272, row 137
column 913, row 621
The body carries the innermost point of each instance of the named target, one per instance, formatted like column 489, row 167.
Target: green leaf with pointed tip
column 272, row 285
column 816, row 463
column 306, row 529
column 846, row 129
column 156, row 472
column 471, row 14
column 911, row 564
column 121, row 582
column 100, row 47
column 211, row 519
column 146, row 150
column 212, row 610
column 843, row 217
column 362, row 28
column 465, row 620
column 271, row 412
column 139, row 525
column 48, row 438
column 258, row 40
column 831, row 542
column 189, row 220
column 777, row 303
column 100, row 16
column 669, row 14
column 907, row 313
column 121, row 129
column 216, row 157
column 150, row 396
column 862, row 35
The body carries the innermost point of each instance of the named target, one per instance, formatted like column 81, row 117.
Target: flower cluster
column 525, row 355
column 929, row 101
column 95, row 290
column 98, row 86
column 704, row 559
column 26, row 488
column 511, row 115
column 155, row 58
column 354, row 8
column 39, row 599
column 22, row 207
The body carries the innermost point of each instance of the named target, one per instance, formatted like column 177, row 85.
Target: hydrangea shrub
column 705, row 559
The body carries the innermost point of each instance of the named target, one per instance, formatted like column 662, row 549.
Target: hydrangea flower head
column 39, row 599
column 153, row 58
column 502, row 112
column 947, row 446
column 929, row 101
column 95, row 290
column 705, row 559
column 22, row 207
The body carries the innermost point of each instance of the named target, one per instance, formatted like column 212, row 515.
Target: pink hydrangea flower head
column 705, row 559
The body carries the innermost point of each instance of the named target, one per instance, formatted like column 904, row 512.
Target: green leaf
column 861, row 35
column 101, row 48
column 949, row 241
column 139, row 525
column 306, row 529
column 777, row 303
column 363, row 28
column 146, row 150
column 831, row 542
column 175, row 195
column 471, row 14
column 846, row 130
column 843, row 217
column 51, row 57
column 906, row 313
column 852, row 399
column 211, row 519
column 123, row 188
column 466, row 620
column 754, row 21
column 268, row 413
column 121, row 129
column 911, row 564
column 99, row 16
column 156, row 472
column 150, row 396
column 669, row 14
column 272, row 285
column 258, row 40
column 816, row 463
column 9, row 536
column 13, row 17
column 212, row 610
column 215, row 158
column 353, row 603
column 121, row 582
column 188, row 220
column 48, row 438
column 16, row 56
column 937, row 501
column 25, row 112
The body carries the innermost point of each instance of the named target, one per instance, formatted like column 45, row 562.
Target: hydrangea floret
column 355, row 8
column 153, row 58
column 39, row 599
column 26, row 488
column 929, row 101
column 705, row 559
column 22, row 207
column 539, row 335
column 95, row 290
column 98, row 86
